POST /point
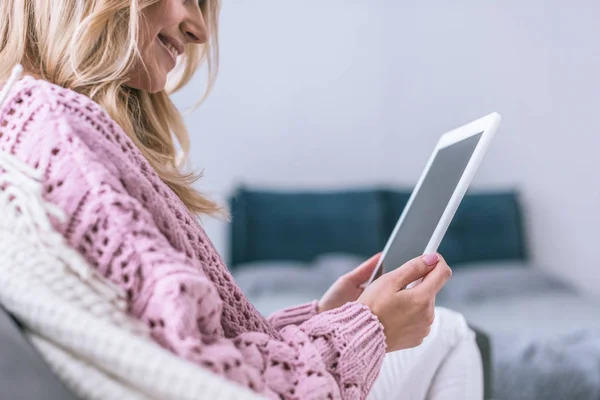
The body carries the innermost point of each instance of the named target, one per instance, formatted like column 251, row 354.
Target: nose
column 194, row 27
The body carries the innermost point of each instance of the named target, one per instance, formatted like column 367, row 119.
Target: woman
column 93, row 113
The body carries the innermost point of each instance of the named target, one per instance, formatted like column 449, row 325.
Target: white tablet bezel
column 487, row 126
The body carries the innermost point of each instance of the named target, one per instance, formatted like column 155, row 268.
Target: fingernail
column 431, row 259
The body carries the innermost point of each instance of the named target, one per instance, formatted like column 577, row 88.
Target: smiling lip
column 173, row 47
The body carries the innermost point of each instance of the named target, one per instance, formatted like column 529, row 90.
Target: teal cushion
column 486, row 227
column 302, row 225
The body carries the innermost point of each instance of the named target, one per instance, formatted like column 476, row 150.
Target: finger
column 363, row 272
column 413, row 270
column 436, row 279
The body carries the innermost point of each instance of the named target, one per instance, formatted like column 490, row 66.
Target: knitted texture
column 137, row 233
column 75, row 318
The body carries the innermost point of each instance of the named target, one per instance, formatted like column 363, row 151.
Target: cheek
column 156, row 18
column 149, row 74
column 159, row 16
column 164, row 14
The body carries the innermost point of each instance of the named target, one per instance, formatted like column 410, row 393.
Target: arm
column 294, row 315
column 336, row 354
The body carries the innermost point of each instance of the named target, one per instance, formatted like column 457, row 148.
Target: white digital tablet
column 438, row 193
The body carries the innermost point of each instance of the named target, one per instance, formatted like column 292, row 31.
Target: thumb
column 435, row 280
column 414, row 270
column 363, row 272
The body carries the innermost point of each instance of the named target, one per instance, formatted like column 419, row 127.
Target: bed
column 539, row 338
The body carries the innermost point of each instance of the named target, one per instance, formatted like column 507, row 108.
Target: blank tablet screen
column 430, row 202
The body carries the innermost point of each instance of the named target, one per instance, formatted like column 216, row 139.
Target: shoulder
column 40, row 118
column 68, row 137
column 35, row 99
column 39, row 111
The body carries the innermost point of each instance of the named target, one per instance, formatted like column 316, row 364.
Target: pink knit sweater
column 135, row 230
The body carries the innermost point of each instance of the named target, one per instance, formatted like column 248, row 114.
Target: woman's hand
column 407, row 314
column 348, row 287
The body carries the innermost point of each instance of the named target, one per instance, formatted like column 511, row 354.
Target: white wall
column 348, row 93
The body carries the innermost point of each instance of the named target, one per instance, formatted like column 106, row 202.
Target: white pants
column 446, row 366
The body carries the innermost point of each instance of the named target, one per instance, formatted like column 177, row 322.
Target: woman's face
column 167, row 26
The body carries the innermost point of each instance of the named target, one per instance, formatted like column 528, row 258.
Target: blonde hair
column 72, row 43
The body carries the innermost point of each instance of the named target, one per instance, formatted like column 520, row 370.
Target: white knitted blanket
column 77, row 319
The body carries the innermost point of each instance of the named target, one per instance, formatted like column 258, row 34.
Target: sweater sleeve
column 336, row 354
column 293, row 315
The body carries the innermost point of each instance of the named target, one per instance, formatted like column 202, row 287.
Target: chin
column 152, row 83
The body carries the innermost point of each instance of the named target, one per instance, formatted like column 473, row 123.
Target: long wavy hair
column 72, row 43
